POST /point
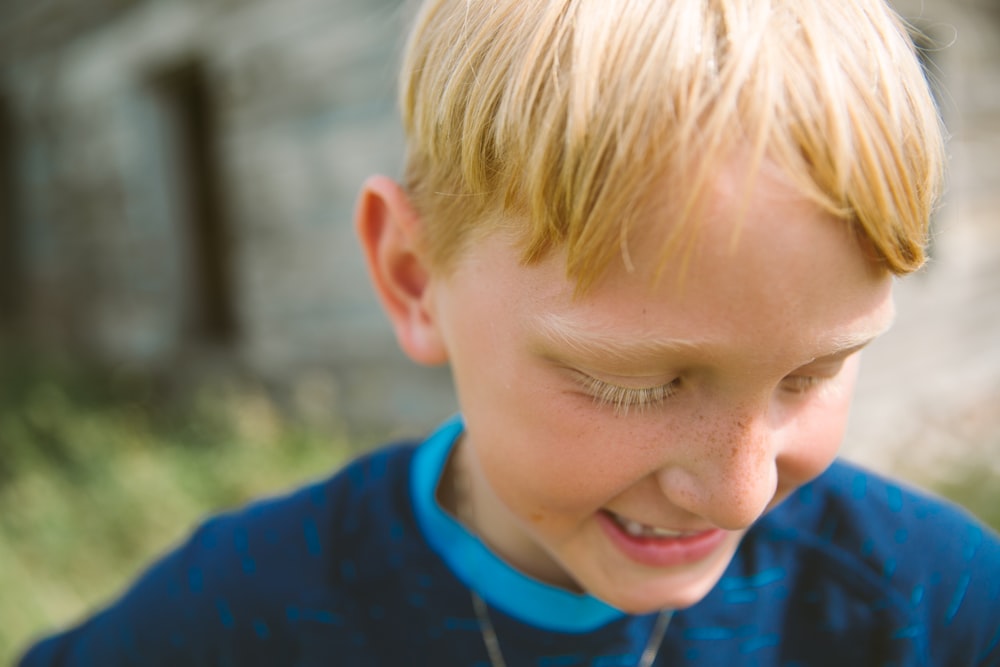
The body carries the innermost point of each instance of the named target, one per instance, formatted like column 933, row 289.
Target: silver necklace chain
column 489, row 634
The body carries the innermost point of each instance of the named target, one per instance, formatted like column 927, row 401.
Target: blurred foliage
column 101, row 471
column 957, row 453
column 976, row 488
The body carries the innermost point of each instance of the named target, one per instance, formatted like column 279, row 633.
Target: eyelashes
column 625, row 399
column 817, row 385
column 800, row 384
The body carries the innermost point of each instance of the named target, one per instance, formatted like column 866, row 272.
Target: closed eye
column 624, row 399
column 800, row 384
column 809, row 378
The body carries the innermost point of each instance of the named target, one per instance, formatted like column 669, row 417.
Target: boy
column 650, row 237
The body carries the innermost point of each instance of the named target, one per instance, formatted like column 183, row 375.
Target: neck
column 465, row 494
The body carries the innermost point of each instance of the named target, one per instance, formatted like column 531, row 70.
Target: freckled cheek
column 563, row 429
column 548, row 453
column 552, row 465
column 552, row 501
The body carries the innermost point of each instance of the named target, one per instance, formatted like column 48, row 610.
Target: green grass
column 99, row 473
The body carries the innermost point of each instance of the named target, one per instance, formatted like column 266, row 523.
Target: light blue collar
column 498, row 583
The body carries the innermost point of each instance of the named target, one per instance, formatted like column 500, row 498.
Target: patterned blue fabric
column 850, row 570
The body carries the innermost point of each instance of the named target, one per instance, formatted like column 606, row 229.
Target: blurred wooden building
column 177, row 178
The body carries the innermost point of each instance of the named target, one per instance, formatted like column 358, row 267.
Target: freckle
column 536, row 517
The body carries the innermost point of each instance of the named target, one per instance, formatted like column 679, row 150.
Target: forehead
column 766, row 272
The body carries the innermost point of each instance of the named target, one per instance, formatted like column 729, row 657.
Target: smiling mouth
column 657, row 547
column 636, row 529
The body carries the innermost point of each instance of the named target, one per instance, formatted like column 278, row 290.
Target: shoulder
column 883, row 526
column 296, row 517
column 304, row 524
column 924, row 566
column 284, row 543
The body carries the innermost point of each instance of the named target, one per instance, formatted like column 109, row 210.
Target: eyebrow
column 846, row 345
column 557, row 330
column 849, row 343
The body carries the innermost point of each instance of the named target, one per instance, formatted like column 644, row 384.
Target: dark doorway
column 11, row 283
column 186, row 98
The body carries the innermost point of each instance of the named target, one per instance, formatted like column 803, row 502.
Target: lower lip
column 662, row 551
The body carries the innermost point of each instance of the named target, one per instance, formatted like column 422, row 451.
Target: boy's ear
column 388, row 228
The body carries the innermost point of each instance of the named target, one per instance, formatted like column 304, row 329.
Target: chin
column 645, row 603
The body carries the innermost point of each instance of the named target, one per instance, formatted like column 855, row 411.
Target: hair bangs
column 568, row 121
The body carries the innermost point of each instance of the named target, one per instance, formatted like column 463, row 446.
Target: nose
column 726, row 471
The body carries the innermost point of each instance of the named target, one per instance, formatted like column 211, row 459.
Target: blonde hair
column 564, row 117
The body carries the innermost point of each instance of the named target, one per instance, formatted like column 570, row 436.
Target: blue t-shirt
column 366, row 569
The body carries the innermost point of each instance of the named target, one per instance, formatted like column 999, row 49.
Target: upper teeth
column 636, row 529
